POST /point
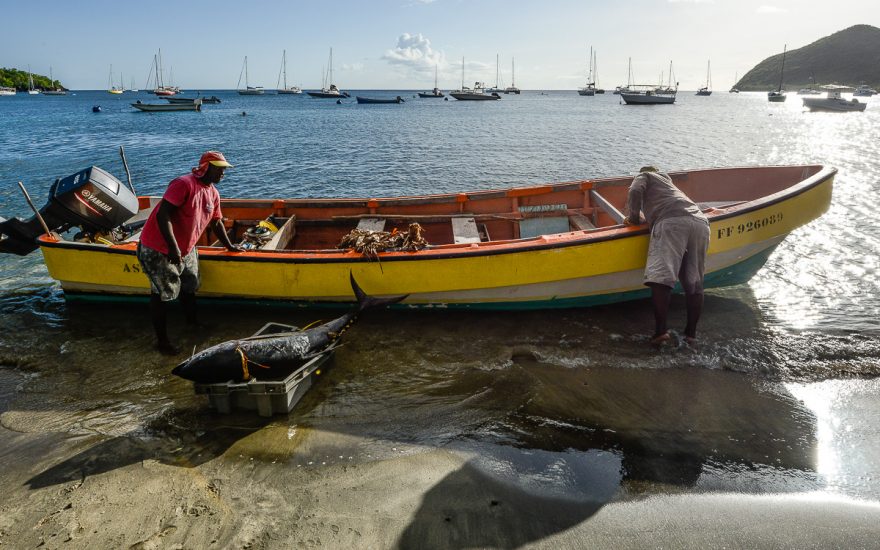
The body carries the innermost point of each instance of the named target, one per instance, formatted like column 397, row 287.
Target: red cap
column 210, row 157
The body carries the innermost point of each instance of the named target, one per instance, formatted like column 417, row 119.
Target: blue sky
column 397, row 43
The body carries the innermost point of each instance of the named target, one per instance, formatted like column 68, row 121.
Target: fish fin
column 366, row 301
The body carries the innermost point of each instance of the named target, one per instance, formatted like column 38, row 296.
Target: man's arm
column 220, row 230
column 163, row 219
column 634, row 199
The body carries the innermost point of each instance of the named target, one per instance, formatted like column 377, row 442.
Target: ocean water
column 525, row 391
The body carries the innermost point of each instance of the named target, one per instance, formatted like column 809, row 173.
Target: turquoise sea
column 777, row 397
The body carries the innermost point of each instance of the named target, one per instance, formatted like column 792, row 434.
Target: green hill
column 849, row 57
column 14, row 78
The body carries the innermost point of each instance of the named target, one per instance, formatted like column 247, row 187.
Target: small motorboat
column 433, row 93
column 184, row 100
column 833, row 102
column 371, row 100
column 194, row 105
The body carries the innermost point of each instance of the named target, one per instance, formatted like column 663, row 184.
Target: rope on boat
column 371, row 243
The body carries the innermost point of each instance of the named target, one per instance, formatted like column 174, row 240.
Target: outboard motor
column 91, row 199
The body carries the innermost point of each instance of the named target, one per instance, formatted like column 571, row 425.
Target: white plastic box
column 267, row 397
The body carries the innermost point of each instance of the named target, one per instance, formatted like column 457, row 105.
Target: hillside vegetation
column 14, row 78
column 849, row 57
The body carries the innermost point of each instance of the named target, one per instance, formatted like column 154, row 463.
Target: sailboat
column 112, row 88
column 478, row 92
column 133, row 89
column 706, row 90
column 247, row 90
column 734, row 89
column 285, row 89
column 650, row 94
column 161, row 89
column 436, row 91
column 328, row 89
column 590, row 89
column 596, row 75
column 811, row 89
column 497, row 86
column 31, row 90
column 512, row 89
column 778, row 96
column 55, row 91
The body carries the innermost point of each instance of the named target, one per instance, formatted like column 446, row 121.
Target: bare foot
column 661, row 339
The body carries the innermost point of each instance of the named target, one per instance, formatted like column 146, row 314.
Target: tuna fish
column 273, row 355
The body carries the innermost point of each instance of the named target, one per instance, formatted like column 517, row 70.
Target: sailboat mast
column 497, row 70
column 782, row 72
column 331, row 66
column 512, row 73
column 245, row 73
column 435, row 74
column 590, row 70
column 595, row 69
column 284, row 63
column 160, row 71
column 462, row 73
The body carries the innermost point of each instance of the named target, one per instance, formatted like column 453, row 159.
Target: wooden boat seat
column 464, row 231
column 606, row 206
column 371, row 224
column 283, row 237
column 579, row 222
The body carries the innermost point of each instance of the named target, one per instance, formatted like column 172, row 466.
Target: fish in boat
column 274, row 355
column 543, row 246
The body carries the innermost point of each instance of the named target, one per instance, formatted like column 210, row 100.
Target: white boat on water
column 247, row 90
column 7, row 91
column 833, row 102
column 285, row 90
column 864, row 91
column 31, row 89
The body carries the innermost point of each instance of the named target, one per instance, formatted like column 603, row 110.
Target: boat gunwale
column 470, row 250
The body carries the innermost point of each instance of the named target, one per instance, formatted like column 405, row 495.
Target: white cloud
column 770, row 9
column 415, row 52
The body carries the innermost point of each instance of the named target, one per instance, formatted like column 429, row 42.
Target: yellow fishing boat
column 544, row 246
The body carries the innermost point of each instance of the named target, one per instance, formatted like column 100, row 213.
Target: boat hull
column 833, row 105
column 371, row 101
column 195, row 105
column 572, row 269
column 327, row 95
column 643, row 99
column 465, row 96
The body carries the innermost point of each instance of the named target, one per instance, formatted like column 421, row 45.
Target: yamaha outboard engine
column 91, row 199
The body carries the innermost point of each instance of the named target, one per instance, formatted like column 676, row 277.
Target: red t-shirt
column 197, row 204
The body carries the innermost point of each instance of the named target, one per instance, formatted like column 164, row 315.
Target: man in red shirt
column 166, row 250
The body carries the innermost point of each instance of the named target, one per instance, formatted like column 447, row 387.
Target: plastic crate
column 267, row 397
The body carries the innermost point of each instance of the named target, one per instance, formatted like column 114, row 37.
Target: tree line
column 14, row 78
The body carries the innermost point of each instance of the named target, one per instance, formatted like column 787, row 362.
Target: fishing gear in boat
column 370, row 243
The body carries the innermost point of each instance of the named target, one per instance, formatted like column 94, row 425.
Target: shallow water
column 779, row 396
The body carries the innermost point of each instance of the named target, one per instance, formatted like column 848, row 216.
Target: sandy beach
column 195, row 479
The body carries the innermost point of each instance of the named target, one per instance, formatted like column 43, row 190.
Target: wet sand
column 742, row 463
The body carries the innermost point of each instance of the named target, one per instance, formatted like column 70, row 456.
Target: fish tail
column 366, row 301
